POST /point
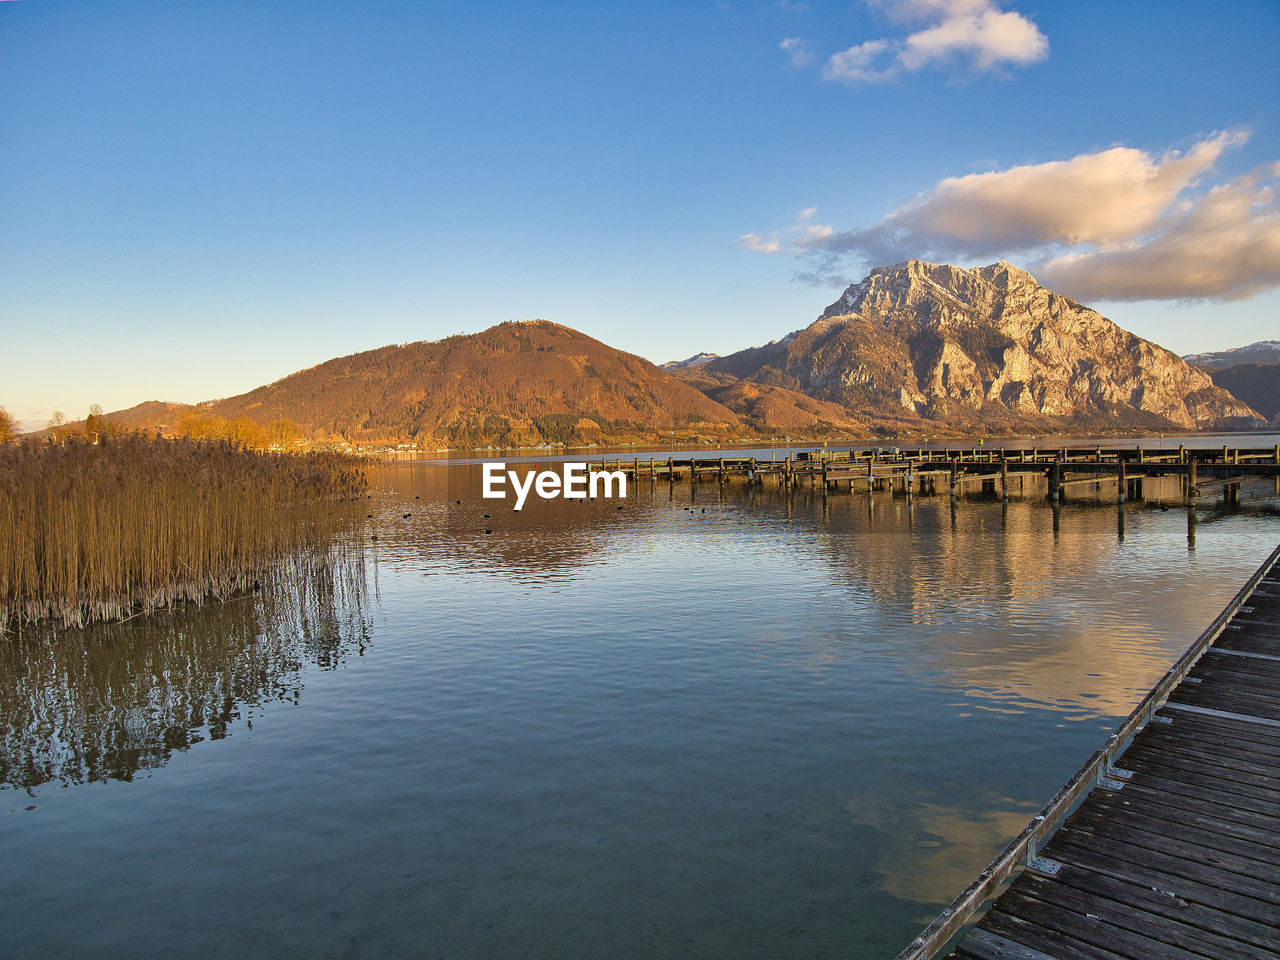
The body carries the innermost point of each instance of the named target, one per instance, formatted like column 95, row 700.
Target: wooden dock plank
column 1140, row 794
column 1202, row 843
column 1200, row 932
column 1091, row 928
column 1050, row 942
column 1222, row 764
column 1239, row 834
column 1155, row 900
column 1216, row 740
column 1168, row 767
column 1165, row 878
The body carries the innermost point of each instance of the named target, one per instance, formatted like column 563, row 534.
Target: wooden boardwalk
column 1034, row 471
column 1175, row 850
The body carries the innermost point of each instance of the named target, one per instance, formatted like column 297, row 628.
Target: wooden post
column 1121, row 492
column 693, row 470
column 954, row 482
column 1182, row 453
column 722, row 470
column 1055, row 481
column 1004, row 479
column 1142, row 457
column 1191, row 480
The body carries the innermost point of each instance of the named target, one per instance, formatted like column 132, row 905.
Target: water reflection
column 110, row 700
column 984, row 594
column 931, row 846
column 726, row 722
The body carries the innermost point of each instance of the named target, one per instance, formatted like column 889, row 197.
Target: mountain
column 526, row 382
column 1257, row 384
column 982, row 349
column 916, row 347
column 697, row 360
column 1264, row 351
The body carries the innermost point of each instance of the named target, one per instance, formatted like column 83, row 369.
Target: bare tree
column 93, row 424
column 57, row 423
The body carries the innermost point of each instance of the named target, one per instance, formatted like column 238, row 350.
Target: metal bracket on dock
column 1111, row 783
column 1044, row 865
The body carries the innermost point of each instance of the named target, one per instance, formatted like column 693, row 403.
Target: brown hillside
column 513, row 383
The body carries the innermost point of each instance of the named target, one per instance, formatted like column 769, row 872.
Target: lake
column 697, row 722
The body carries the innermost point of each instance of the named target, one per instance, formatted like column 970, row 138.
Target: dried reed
column 108, row 530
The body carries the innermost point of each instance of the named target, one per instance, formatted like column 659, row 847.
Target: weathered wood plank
column 1165, row 926
column 1213, row 727
column 1178, row 789
column 1052, row 942
column 1185, row 845
column 984, row 945
column 1156, row 900
column 1139, row 793
column 1093, row 930
column 1254, row 772
column 1233, row 701
column 1171, row 768
column 1222, row 736
column 1182, row 862
column 1166, row 877
column 1228, row 838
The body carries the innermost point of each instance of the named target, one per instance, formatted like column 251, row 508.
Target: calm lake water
column 692, row 723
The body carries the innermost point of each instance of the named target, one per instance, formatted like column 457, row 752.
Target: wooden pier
column 1173, row 848
column 1118, row 474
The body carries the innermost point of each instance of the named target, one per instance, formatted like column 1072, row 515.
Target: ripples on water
column 774, row 728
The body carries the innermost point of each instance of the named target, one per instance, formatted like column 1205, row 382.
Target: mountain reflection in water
column 702, row 721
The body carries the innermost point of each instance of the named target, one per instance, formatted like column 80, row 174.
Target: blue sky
column 200, row 198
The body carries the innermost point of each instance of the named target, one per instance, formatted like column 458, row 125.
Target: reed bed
column 128, row 525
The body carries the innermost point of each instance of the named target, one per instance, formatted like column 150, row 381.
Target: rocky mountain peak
column 985, row 344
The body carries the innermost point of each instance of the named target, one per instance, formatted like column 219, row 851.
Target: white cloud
column 798, row 53
column 858, row 64
column 803, row 233
column 1117, row 224
column 1104, row 198
column 753, row 241
column 977, row 31
column 1226, row 246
